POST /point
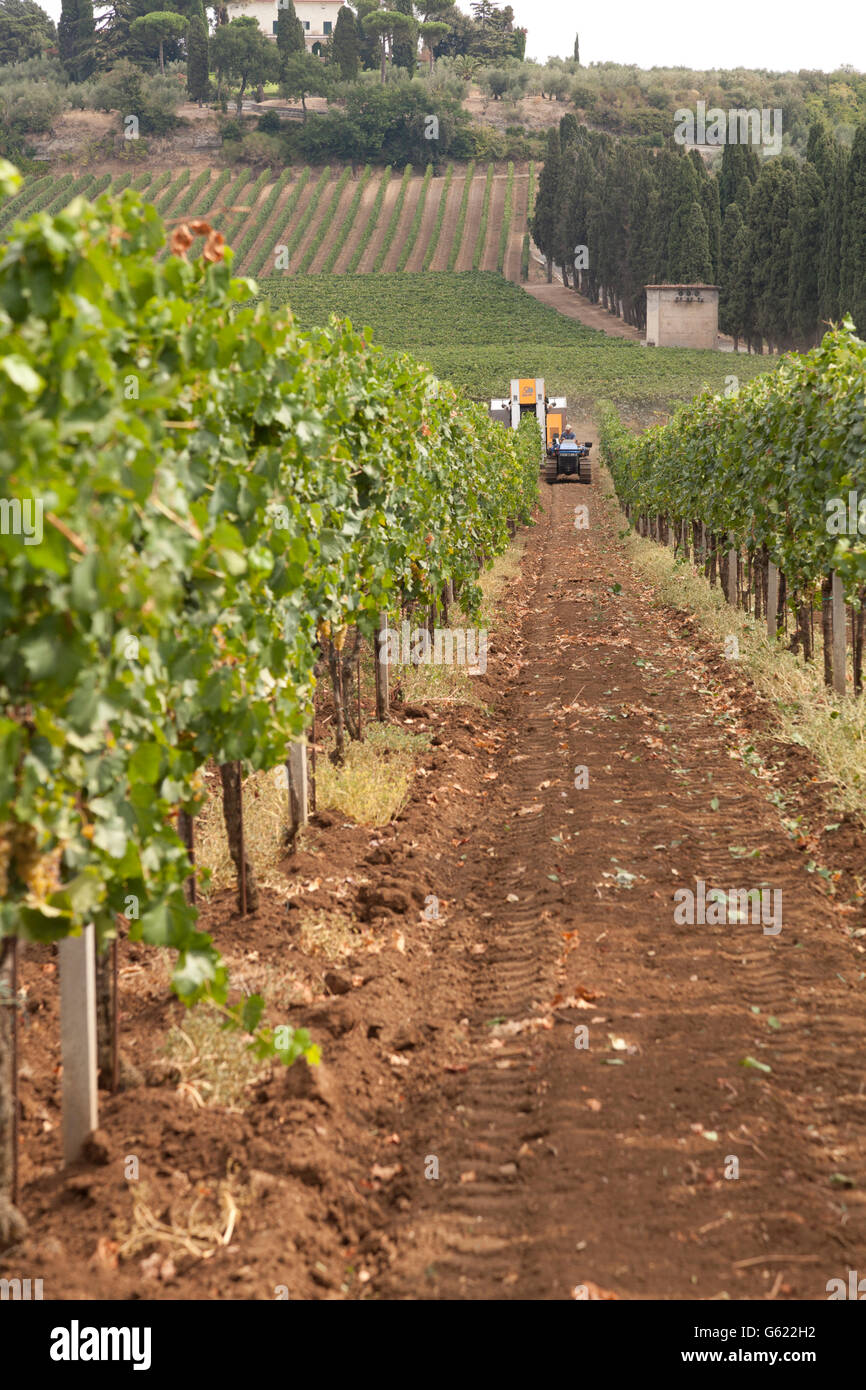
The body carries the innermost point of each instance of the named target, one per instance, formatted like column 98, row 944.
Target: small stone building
column 682, row 316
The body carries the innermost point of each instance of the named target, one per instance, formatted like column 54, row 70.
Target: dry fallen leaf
column 106, row 1253
column 385, row 1172
column 592, row 1291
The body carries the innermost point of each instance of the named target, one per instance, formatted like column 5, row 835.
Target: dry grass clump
column 809, row 714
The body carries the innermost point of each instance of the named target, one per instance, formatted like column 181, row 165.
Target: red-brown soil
column 454, row 1043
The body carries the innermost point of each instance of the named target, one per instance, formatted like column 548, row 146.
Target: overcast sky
column 703, row 35
column 799, row 34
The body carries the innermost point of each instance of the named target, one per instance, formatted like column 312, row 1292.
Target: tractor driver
column 568, row 433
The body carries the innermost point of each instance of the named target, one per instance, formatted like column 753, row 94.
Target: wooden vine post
column 381, row 664
column 299, row 797
column 731, row 586
column 77, row 955
column 839, row 635
column 772, row 599
column 9, row 1068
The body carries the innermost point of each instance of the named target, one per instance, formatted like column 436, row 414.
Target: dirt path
column 459, row 1139
column 574, row 306
column 561, row 1166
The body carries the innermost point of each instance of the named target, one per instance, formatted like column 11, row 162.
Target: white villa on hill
column 317, row 16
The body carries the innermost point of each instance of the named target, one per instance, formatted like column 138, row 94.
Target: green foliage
column 307, row 215
column 197, row 60
column 345, row 48
column 241, row 55
column 212, row 192
column 156, row 27
column 327, row 215
column 388, row 124
column 468, row 328
column 267, row 248
column 154, row 99
column 304, row 75
column 290, row 32
column 75, row 38
column 189, row 203
column 214, row 486
column 258, row 225
column 165, row 201
column 26, row 31
column 763, row 464
column 34, row 194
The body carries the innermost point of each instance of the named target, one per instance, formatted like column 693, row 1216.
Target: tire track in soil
column 561, row 1166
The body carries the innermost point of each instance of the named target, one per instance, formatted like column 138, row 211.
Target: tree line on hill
column 375, row 34
column 139, row 60
column 783, row 238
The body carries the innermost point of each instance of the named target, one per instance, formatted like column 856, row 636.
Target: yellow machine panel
column 527, row 391
column 554, row 426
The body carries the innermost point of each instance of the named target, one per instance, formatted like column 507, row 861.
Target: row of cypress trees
column 783, row 238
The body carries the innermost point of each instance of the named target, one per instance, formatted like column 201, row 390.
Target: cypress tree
column 852, row 275
column 544, row 217
column 345, row 47
column 563, row 246
column 770, row 218
column 568, row 129
column 732, row 289
column 805, row 257
column 690, row 248
column 830, row 261
column 641, row 252
column 712, row 214
column 290, row 31
column 197, row 66
column 85, row 37
column 738, row 162
column 67, row 34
